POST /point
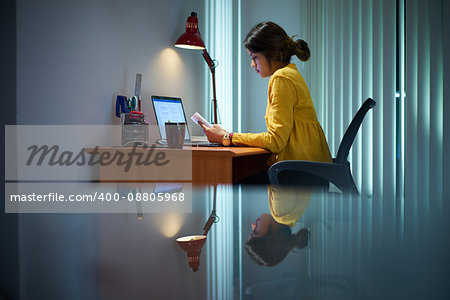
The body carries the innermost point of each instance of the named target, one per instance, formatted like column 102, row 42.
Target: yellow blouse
column 293, row 131
column 287, row 206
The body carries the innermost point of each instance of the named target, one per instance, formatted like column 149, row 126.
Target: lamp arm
column 212, row 67
column 209, row 61
column 212, row 218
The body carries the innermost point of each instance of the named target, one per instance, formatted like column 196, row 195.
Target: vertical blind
column 219, row 41
column 353, row 58
column 369, row 48
column 391, row 51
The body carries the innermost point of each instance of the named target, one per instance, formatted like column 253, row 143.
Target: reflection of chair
column 311, row 173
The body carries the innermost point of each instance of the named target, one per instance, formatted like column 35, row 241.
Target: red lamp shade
column 191, row 39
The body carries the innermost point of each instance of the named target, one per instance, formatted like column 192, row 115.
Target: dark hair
column 270, row 251
column 271, row 40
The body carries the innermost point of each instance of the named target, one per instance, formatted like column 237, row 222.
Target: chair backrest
column 352, row 130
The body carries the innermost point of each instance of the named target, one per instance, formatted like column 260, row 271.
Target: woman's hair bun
column 302, row 50
column 300, row 239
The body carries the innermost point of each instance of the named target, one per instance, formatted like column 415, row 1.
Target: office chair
column 319, row 174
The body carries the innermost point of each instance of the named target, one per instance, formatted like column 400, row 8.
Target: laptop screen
column 169, row 109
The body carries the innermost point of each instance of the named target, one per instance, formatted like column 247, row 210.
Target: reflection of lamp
column 192, row 39
column 193, row 244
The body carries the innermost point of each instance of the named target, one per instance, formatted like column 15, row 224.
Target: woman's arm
column 214, row 134
column 279, row 118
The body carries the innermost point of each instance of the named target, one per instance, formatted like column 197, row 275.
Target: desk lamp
column 193, row 244
column 192, row 39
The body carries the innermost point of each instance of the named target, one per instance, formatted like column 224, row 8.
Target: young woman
column 293, row 131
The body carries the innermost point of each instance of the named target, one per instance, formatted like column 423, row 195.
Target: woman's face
column 260, row 64
column 264, row 225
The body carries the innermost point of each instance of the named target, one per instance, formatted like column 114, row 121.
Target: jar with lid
column 134, row 129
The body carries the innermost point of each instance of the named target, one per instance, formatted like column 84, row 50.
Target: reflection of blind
column 354, row 56
column 219, row 252
column 424, row 106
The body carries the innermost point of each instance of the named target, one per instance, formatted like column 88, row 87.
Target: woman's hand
column 214, row 134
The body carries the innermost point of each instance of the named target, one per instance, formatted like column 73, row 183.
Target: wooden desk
column 210, row 165
column 226, row 164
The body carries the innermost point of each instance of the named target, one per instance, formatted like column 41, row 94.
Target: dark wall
column 9, row 254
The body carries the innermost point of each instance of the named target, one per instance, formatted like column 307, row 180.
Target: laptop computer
column 171, row 109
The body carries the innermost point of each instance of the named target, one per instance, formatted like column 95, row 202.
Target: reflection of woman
column 270, row 242
column 272, row 239
column 293, row 131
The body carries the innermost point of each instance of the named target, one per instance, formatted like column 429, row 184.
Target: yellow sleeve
column 279, row 118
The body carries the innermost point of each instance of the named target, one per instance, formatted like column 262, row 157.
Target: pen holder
column 134, row 129
column 175, row 134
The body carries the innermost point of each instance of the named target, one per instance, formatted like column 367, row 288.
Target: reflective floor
column 264, row 244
